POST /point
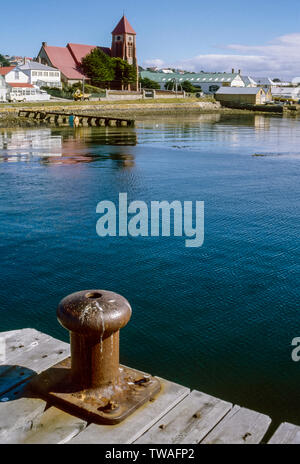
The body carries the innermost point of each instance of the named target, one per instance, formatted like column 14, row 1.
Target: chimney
column 44, row 44
column 239, row 71
column 232, row 71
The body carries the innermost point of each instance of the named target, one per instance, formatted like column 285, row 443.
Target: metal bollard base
column 108, row 405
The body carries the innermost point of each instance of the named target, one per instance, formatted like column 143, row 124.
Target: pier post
column 94, row 319
column 92, row 383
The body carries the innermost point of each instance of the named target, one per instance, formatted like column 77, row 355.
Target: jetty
column 58, row 118
column 153, row 411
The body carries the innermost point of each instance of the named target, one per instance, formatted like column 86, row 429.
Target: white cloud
column 153, row 63
column 279, row 58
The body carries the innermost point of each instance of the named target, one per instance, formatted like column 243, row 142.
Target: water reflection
column 66, row 145
column 203, row 132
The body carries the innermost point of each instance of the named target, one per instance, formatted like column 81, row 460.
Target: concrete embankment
column 9, row 113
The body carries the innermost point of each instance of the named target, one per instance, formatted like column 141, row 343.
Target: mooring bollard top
column 94, row 313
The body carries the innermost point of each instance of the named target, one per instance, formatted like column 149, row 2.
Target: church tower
column 124, row 45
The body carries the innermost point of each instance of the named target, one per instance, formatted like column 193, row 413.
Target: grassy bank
column 123, row 108
column 134, row 109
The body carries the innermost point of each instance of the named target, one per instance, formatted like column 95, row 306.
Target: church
column 68, row 59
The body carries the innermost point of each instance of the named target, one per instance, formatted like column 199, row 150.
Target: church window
column 130, row 50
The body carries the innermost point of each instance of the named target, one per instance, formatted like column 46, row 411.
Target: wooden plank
column 17, row 414
column 286, row 434
column 27, row 363
column 19, row 341
column 53, row 427
column 134, row 426
column 189, row 422
column 240, row 426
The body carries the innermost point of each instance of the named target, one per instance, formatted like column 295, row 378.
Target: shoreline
column 9, row 114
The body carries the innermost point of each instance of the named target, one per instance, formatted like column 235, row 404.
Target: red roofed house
column 68, row 59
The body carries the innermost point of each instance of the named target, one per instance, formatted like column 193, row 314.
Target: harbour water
column 221, row 318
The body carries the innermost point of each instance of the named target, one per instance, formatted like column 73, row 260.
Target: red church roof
column 79, row 51
column 68, row 59
column 124, row 27
column 5, row 70
column 62, row 59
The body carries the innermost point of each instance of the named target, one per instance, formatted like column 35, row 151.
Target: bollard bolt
column 92, row 383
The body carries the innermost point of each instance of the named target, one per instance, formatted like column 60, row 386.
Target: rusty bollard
column 92, row 383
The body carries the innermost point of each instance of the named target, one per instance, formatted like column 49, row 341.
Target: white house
column 3, row 89
column 15, row 75
column 41, row 75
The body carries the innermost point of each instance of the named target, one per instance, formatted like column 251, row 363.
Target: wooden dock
column 175, row 416
column 63, row 118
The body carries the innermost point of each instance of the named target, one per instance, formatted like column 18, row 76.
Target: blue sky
column 258, row 37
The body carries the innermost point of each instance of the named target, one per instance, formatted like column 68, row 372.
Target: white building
column 286, row 92
column 32, row 73
column 14, row 75
column 3, row 89
column 41, row 75
column 209, row 83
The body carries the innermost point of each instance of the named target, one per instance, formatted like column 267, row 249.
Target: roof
column 79, row 51
column 34, row 65
column 248, row 81
column 21, row 84
column 68, row 59
column 123, row 27
column 62, row 59
column 5, row 70
column 238, row 91
column 263, row 80
column 195, row 78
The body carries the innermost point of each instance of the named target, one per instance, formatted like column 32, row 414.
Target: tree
column 188, row 87
column 102, row 69
column 124, row 72
column 149, row 84
column 4, row 61
column 98, row 67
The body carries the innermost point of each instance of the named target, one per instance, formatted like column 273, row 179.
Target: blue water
column 220, row 318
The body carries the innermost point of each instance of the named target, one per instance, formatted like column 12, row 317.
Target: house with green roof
column 209, row 83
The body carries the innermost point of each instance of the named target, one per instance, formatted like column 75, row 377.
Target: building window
column 46, row 73
column 34, row 73
column 17, row 75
